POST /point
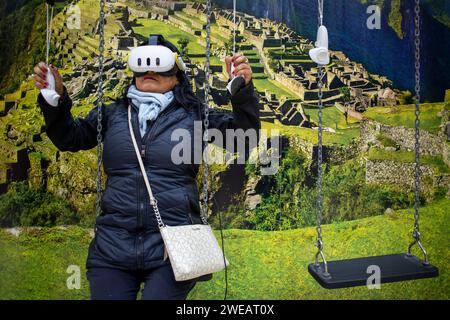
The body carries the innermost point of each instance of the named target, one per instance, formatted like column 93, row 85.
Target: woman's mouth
column 149, row 78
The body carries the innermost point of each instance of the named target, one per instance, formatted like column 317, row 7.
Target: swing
column 394, row 267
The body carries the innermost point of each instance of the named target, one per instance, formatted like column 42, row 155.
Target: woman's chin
column 150, row 87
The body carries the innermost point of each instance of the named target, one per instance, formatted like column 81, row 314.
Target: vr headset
column 156, row 57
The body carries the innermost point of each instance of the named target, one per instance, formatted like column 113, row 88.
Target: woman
column 127, row 249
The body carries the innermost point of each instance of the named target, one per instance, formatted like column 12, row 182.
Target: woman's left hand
column 242, row 67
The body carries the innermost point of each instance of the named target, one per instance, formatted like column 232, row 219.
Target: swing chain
column 319, row 204
column 204, row 211
column 319, row 240
column 99, row 106
column 416, row 232
column 49, row 17
column 234, row 26
column 320, row 9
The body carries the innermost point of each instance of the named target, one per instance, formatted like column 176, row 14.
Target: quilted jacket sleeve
column 66, row 132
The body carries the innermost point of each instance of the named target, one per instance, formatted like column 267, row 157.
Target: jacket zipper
column 140, row 242
column 148, row 135
column 188, row 208
column 135, row 119
column 152, row 126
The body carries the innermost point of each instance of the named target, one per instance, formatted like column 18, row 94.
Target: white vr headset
column 320, row 54
column 155, row 57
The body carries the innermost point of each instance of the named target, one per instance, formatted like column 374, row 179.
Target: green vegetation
column 274, row 266
column 347, row 196
column 346, row 94
column 36, row 263
column 174, row 35
column 189, row 18
column 386, row 141
column 215, row 61
column 342, row 137
column 439, row 11
column 409, row 156
column 290, row 203
column 217, row 34
column 395, row 18
column 23, row 33
column 404, row 115
column 169, row 32
column 185, row 19
column 33, row 266
column 332, row 118
column 183, row 43
column 251, row 52
column 272, row 87
column 22, row 206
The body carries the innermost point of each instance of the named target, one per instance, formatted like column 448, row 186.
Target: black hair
column 182, row 91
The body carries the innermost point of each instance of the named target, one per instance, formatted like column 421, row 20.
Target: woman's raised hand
column 241, row 67
column 40, row 77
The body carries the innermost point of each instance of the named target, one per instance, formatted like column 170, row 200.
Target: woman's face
column 154, row 82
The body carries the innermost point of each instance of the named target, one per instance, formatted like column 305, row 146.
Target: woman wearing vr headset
column 127, row 249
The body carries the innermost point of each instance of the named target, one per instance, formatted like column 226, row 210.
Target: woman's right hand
column 40, row 77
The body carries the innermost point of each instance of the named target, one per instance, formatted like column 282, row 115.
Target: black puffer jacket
column 127, row 234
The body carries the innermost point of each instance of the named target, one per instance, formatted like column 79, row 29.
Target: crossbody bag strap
column 153, row 200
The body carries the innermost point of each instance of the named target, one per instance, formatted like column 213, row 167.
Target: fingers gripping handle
column 50, row 95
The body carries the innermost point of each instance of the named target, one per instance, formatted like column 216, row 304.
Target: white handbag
column 193, row 249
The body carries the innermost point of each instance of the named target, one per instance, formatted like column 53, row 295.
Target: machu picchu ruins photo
column 356, row 145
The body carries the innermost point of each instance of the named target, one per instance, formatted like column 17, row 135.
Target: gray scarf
column 149, row 104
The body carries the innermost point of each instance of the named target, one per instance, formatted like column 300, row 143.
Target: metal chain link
column 204, row 211
column 49, row 19
column 417, row 185
column 319, row 160
column 154, row 203
column 320, row 11
column 47, row 33
column 100, row 106
column 234, row 26
column 319, row 203
column 417, row 114
column 319, row 240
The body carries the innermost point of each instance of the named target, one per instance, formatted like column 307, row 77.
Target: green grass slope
column 404, row 115
column 264, row 265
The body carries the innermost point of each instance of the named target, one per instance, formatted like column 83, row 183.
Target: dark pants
column 116, row 284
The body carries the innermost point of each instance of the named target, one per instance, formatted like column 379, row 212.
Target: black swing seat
column 354, row 272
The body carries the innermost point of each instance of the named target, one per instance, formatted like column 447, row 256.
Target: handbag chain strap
column 153, row 200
